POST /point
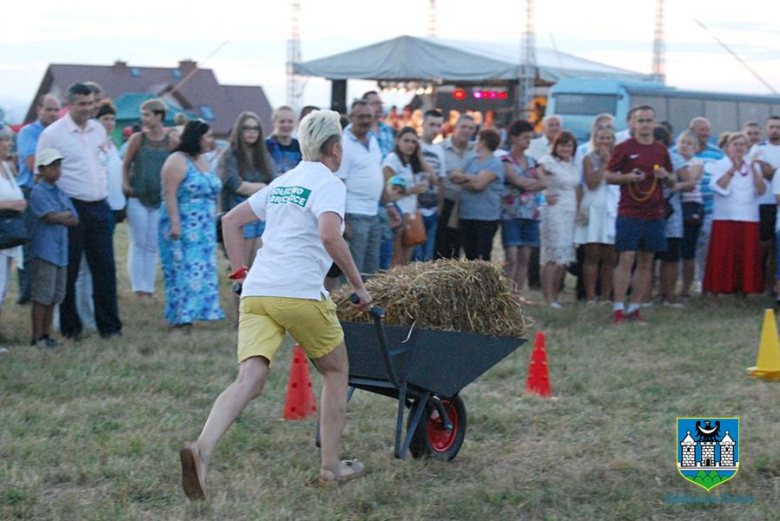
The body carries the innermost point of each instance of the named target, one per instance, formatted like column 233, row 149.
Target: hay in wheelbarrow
column 447, row 295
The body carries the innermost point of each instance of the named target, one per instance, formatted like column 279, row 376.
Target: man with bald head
column 48, row 109
column 540, row 147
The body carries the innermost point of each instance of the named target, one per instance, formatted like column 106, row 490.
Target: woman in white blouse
column 734, row 258
column 11, row 198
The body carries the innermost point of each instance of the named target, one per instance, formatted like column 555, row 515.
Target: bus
column 578, row 101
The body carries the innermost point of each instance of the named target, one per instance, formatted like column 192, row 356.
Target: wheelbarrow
column 424, row 370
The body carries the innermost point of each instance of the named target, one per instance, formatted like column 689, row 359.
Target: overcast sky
column 157, row 33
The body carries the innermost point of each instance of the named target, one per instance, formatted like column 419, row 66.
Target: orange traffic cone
column 768, row 363
column 538, row 373
column 300, row 401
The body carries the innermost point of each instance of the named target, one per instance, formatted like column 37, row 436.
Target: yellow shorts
column 263, row 322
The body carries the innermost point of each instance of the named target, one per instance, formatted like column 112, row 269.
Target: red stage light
column 459, row 94
column 503, row 95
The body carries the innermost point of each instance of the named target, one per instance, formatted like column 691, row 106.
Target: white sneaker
column 3, row 350
column 556, row 305
column 675, row 305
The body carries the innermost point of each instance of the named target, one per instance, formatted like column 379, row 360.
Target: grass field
column 92, row 430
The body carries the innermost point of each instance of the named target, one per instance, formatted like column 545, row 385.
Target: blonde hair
column 687, row 135
column 155, row 106
column 735, row 136
column 723, row 139
column 317, row 131
column 595, row 134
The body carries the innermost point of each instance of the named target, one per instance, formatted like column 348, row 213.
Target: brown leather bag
column 414, row 229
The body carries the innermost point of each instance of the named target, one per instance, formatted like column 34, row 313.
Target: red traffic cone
column 300, row 401
column 538, row 373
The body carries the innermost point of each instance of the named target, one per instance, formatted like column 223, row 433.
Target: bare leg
column 335, row 372
column 248, row 385
column 643, row 277
column 622, row 276
column 521, row 272
column 608, row 259
column 548, row 281
column 510, row 265
column 558, row 273
column 590, row 270
column 689, row 268
column 48, row 318
column 668, row 280
column 398, row 248
column 38, row 320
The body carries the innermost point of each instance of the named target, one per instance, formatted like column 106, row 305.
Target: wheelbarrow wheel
column 432, row 439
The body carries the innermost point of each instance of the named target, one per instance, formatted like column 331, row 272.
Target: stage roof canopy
column 409, row 58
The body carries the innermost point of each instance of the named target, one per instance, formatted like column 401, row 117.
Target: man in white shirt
column 82, row 142
column 540, row 147
column 283, row 292
column 361, row 171
column 766, row 157
column 427, row 201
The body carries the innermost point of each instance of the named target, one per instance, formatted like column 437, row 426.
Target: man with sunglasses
column 640, row 166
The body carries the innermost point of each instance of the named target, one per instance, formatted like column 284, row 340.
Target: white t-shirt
column 770, row 154
column 407, row 203
column 361, row 171
column 293, row 262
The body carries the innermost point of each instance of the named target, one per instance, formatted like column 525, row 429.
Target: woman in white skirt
column 557, row 217
column 596, row 217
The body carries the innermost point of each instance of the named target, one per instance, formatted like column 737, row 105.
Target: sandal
column 191, row 482
column 348, row 470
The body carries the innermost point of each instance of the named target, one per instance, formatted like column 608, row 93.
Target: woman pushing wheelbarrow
column 283, row 292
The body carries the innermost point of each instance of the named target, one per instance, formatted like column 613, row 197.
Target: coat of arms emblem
column 708, row 450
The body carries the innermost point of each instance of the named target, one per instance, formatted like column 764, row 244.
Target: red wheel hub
column 441, row 439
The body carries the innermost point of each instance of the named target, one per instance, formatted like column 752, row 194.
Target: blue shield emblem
column 708, row 450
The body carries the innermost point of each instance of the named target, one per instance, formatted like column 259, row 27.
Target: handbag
column 693, row 214
column 13, row 231
column 414, row 229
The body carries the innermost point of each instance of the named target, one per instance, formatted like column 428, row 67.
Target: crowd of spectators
column 625, row 211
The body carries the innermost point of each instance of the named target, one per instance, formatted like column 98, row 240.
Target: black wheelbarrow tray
column 425, row 370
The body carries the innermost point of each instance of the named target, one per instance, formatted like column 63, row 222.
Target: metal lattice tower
column 432, row 19
column 659, row 44
column 528, row 59
column 293, row 57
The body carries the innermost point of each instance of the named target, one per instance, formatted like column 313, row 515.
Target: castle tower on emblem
column 727, row 451
column 688, row 451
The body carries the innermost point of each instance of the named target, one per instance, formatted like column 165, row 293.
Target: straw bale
column 448, row 295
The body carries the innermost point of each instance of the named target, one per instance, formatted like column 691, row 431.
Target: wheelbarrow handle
column 375, row 311
column 378, row 314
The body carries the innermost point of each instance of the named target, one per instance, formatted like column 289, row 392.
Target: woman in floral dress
column 188, row 231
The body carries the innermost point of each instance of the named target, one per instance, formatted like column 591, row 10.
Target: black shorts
column 768, row 213
column 673, row 251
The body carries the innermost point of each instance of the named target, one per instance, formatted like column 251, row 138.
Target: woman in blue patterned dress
column 188, row 235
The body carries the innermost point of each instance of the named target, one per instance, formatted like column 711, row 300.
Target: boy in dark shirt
column 52, row 212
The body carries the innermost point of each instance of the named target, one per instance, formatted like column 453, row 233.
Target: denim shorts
column 254, row 230
column 640, row 234
column 520, row 232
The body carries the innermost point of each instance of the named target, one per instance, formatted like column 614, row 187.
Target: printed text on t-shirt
column 290, row 194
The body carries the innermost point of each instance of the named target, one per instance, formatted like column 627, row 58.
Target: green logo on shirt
column 290, row 194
